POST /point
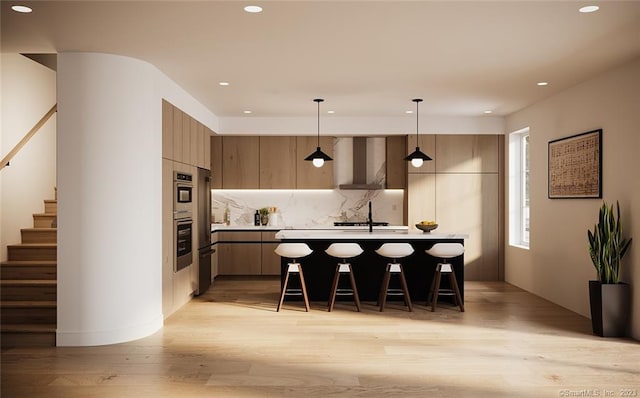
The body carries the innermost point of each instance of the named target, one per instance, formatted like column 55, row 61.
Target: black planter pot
column 609, row 308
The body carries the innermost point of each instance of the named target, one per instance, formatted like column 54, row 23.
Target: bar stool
column 344, row 251
column 293, row 251
column 445, row 251
column 394, row 251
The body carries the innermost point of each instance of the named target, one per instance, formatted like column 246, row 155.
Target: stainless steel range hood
column 359, row 164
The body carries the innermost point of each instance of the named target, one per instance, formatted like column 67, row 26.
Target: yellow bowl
column 426, row 228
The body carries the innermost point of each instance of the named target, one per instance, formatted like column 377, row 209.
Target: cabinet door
column 177, row 134
column 240, row 162
column 215, row 150
column 422, row 199
column 308, row 176
column 467, row 153
column 186, row 138
column 195, row 142
column 207, row 147
column 277, row 162
column 214, row 256
column 242, row 258
column 396, row 165
column 475, row 211
column 167, row 130
column 270, row 260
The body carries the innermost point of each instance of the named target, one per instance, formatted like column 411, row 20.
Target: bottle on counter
column 227, row 215
column 256, row 219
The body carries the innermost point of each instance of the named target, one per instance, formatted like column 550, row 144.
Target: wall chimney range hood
column 359, row 163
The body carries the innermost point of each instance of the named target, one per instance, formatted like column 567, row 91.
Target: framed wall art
column 575, row 166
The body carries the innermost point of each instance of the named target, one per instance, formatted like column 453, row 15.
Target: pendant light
column 318, row 157
column 417, row 157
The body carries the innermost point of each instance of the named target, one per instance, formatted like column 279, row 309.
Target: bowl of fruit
column 426, row 226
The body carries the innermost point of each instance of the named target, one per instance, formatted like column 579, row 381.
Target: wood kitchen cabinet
column 186, row 138
column 456, row 153
column 242, row 258
column 278, row 162
column 167, row 130
column 396, row 165
column 215, row 148
column 240, row 162
column 177, row 135
column 307, row 175
column 270, row 260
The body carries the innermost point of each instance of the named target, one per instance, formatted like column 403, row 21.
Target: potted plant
column 609, row 298
column 264, row 215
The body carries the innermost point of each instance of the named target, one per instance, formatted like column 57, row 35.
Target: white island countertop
column 364, row 234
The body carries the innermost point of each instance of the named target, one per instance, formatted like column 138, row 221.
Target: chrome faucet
column 370, row 219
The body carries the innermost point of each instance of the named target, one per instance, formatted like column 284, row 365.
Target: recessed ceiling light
column 542, row 83
column 588, row 9
column 253, row 9
column 224, row 83
column 488, row 112
column 408, row 112
column 246, row 112
column 331, row 112
column 22, row 9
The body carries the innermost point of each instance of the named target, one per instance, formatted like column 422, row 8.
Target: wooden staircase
column 28, row 284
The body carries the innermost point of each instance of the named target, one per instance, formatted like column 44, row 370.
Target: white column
column 109, row 199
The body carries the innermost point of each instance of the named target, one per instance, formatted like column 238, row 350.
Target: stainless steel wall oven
column 182, row 220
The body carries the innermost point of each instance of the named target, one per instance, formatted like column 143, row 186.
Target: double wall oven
column 182, row 220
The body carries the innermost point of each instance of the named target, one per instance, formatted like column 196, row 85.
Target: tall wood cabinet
column 462, row 189
column 184, row 139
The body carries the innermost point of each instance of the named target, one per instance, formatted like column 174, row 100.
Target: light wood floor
column 231, row 343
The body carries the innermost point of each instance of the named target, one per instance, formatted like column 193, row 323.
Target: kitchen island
column 369, row 267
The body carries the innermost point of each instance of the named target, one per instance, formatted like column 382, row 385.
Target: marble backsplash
column 309, row 208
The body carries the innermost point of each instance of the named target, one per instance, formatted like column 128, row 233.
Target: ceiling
column 365, row 58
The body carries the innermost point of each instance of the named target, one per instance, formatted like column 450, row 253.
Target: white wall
column 110, row 196
column 557, row 266
column 28, row 92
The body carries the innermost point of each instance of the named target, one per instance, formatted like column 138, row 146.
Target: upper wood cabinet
column 215, row 148
column 240, row 162
column 177, row 135
column 167, row 130
column 467, row 153
column 184, row 139
column 308, row 176
column 278, row 162
column 396, row 165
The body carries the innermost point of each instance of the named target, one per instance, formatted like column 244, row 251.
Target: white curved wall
column 109, row 189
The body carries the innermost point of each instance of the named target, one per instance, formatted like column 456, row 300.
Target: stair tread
column 28, row 328
column 33, row 245
column 43, row 229
column 28, row 304
column 51, row 200
column 28, row 263
column 27, row 282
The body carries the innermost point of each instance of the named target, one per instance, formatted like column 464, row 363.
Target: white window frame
column 519, row 209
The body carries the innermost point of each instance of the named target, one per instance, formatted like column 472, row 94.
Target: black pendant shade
column 417, row 157
column 318, row 154
column 318, row 157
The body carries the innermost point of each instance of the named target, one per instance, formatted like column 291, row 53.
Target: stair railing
column 5, row 161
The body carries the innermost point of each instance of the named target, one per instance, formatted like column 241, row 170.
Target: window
column 519, row 214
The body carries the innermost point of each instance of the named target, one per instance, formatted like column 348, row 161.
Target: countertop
column 377, row 234
column 223, row 227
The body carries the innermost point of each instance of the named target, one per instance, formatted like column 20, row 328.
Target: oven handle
column 176, row 216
